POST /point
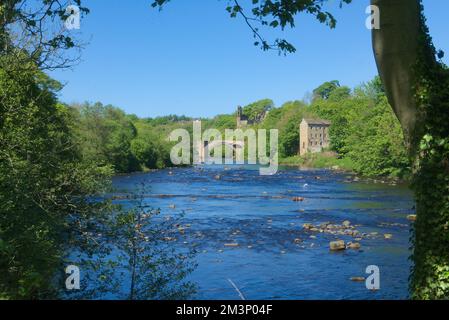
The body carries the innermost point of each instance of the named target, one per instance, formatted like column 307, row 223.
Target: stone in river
column 337, row 245
column 353, row 245
column 231, row 244
column 307, row 226
column 346, row 223
column 388, row 236
column 298, row 199
column 411, row 217
column 357, row 279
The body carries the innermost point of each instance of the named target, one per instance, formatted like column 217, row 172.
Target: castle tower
column 241, row 119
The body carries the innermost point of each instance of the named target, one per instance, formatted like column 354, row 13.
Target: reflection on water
column 244, row 227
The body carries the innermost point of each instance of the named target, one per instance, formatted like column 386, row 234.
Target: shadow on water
column 246, row 227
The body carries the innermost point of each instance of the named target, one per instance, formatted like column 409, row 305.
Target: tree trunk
column 417, row 87
column 395, row 47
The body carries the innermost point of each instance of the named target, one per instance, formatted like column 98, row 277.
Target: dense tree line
column 124, row 142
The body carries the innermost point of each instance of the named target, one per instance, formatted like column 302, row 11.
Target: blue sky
column 192, row 59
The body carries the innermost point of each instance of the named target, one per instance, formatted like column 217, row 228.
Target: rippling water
column 236, row 205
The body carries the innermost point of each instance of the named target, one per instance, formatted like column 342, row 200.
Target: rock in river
column 337, row 245
column 307, row 226
column 353, row 245
column 357, row 279
column 231, row 244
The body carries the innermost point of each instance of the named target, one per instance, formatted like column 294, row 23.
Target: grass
column 324, row 160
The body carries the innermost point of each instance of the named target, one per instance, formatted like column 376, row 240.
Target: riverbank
column 329, row 160
column 324, row 160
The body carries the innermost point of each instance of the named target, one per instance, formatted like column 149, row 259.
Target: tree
column 324, row 90
column 417, row 87
column 105, row 134
column 145, row 151
column 35, row 31
column 155, row 269
column 45, row 185
column 257, row 110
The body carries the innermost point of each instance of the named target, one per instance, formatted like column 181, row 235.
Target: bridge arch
column 207, row 146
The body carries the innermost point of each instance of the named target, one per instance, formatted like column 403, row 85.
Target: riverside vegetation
column 365, row 135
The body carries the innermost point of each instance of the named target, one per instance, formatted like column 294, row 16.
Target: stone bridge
column 205, row 147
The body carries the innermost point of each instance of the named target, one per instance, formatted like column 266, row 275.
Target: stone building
column 242, row 120
column 313, row 135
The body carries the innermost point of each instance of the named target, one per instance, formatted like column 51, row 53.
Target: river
column 247, row 229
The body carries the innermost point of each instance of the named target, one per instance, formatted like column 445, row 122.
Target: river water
column 256, row 215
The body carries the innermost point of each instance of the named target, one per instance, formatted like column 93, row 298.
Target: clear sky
column 193, row 59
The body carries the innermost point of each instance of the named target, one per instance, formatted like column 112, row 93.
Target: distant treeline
column 364, row 132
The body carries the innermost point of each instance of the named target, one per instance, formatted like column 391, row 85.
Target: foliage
column 34, row 31
column 256, row 110
column 44, row 184
column 365, row 130
column 274, row 14
column 430, row 155
column 142, row 243
column 108, row 136
column 324, row 90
